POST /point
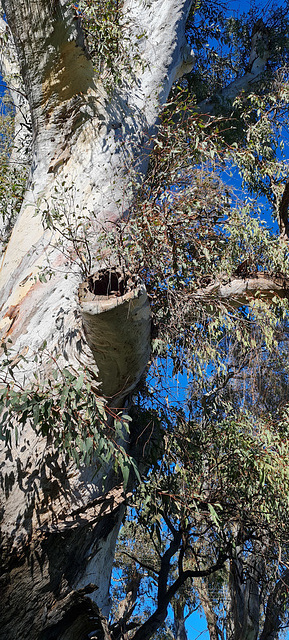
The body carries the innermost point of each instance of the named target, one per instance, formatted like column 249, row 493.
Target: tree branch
column 144, row 565
column 283, row 212
column 165, row 567
column 259, row 55
column 158, row 617
column 239, row 291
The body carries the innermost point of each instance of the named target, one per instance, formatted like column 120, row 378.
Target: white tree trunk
column 59, row 525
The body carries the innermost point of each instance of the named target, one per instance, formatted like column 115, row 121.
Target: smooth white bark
column 89, row 151
column 239, row 291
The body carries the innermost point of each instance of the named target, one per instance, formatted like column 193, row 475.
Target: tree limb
column 283, row 212
column 158, row 617
column 260, row 51
column 144, row 565
column 166, row 565
column 239, row 291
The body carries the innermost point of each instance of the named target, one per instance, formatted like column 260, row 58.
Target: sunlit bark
column 59, row 525
column 240, row 291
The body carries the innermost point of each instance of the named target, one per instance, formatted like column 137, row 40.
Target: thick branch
column 158, row 617
column 165, row 567
column 239, row 291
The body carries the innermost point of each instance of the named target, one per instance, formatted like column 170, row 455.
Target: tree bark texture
column 59, row 524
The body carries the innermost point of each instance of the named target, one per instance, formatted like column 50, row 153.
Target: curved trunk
column 60, row 523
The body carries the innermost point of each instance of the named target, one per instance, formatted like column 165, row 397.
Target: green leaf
column 214, row 515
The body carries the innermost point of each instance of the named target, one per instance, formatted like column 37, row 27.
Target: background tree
column 216, row 283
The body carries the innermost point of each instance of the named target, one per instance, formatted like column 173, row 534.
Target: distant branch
column 283, row 212
column 143, row 565
column 259, row 55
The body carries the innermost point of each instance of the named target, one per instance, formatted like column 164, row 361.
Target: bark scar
column 59, row 160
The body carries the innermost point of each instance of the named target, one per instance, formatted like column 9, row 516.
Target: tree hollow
column 117, row 324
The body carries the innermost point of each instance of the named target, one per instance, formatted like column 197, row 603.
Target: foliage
column 221, row 38
column 64, row 406
column 71, row 230
column 108, row 40
column 189, row 229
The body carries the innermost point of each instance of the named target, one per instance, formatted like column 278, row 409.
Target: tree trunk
column 179, row 627
column 59, row 524
column 208, row 608
column 244, row 614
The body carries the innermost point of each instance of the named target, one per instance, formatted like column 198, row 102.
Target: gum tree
column 89, row 82
column 60, row 522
